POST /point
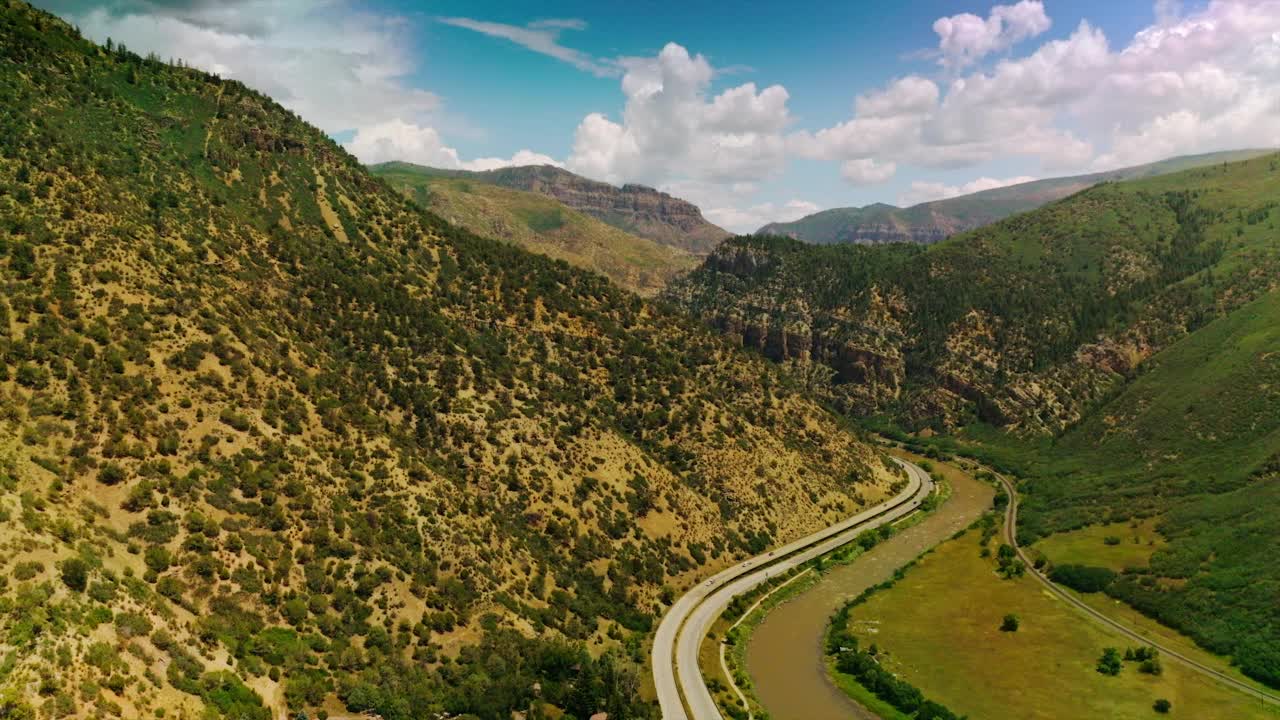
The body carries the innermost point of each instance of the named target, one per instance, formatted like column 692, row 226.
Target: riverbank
column 939, row 628
column 785, row 661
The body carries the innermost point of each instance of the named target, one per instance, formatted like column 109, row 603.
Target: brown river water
column 784, row 656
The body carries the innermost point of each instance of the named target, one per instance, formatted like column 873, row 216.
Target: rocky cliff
column 1026, row 324
column 636, row 209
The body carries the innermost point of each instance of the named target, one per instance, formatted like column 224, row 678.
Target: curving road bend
column 679, row 635
column 1011, row 537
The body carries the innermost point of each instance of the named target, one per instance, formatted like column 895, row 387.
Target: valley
column 363, row 362
column 949, row 605
column 784, row 654
column 276, row 440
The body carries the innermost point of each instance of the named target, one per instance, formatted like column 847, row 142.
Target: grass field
column 939, row 628
column 1088, row 545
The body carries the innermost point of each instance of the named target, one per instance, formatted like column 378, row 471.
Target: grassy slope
column 543, row 225
column 939, row 628
column 1196, row 438
column 983, row 208
column 1089, row 546
column 289, row 426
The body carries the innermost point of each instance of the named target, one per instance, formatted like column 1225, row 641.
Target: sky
column 755, row 111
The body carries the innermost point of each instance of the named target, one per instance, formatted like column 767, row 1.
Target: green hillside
column 1025, row 324
column 1118, row 349
column 274, row 440
column 1194, row 441
column 543, row 225
column 934, row 221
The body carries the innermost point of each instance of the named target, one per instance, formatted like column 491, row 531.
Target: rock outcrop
column 637, row 209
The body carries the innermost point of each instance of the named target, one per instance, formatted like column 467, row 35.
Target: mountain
column 1025, row 323
column 275, row 440
column 1195, row 441
column 935, row 221
column 635, row 209
column 543, row 225
column 1118, row 350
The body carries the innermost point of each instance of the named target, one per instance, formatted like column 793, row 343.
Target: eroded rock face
column 876, row 234
column 637, row 209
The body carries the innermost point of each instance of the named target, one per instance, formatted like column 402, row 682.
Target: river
column 784, row 656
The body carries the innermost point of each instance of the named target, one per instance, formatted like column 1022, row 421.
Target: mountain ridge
column 930, row 222
column 637, row 209
column 544, row 225
column 274, row 439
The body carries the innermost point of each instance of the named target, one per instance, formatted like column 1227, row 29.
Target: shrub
column 75, row 574
column 1162, row 706
column 1010, row 623
column 1083, row 578
column 1110, row 662
column 111, row 474
column 27, row 570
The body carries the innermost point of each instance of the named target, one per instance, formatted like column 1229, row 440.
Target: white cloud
column 924, row 191
column 752, row 218
column 521, row 157
column 865, row 171
column 1191, row 82
column 398, row 140
column 966, row 38
column 337, row 67
column 911, row 95
column 671, row 131
column 732, row 206
column 542, row 36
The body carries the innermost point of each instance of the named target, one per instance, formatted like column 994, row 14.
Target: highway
column 1011, row 537
column 676, row 643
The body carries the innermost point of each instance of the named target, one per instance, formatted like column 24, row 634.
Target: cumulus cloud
column 966, row 38
column 398, row 140
column 336, row 66
column 924, row 191
column 752, row 218
column 865, row 171
column 734, row 206
column 1191, row 82
column 542, row 36
column 672, row 130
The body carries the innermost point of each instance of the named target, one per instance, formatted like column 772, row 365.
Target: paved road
column 1011, row 535
column 679, row 635
column 786, row 657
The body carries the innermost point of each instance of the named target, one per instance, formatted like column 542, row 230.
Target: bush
column 75, row 573
column 1162, row 706
column 1010, row 623
column 1083, row 578
column 111, row 474
column 1110, row 662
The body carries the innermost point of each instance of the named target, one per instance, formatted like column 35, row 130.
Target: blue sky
column 757, row 111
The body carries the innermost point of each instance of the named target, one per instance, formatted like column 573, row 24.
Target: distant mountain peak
column 933, row 221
